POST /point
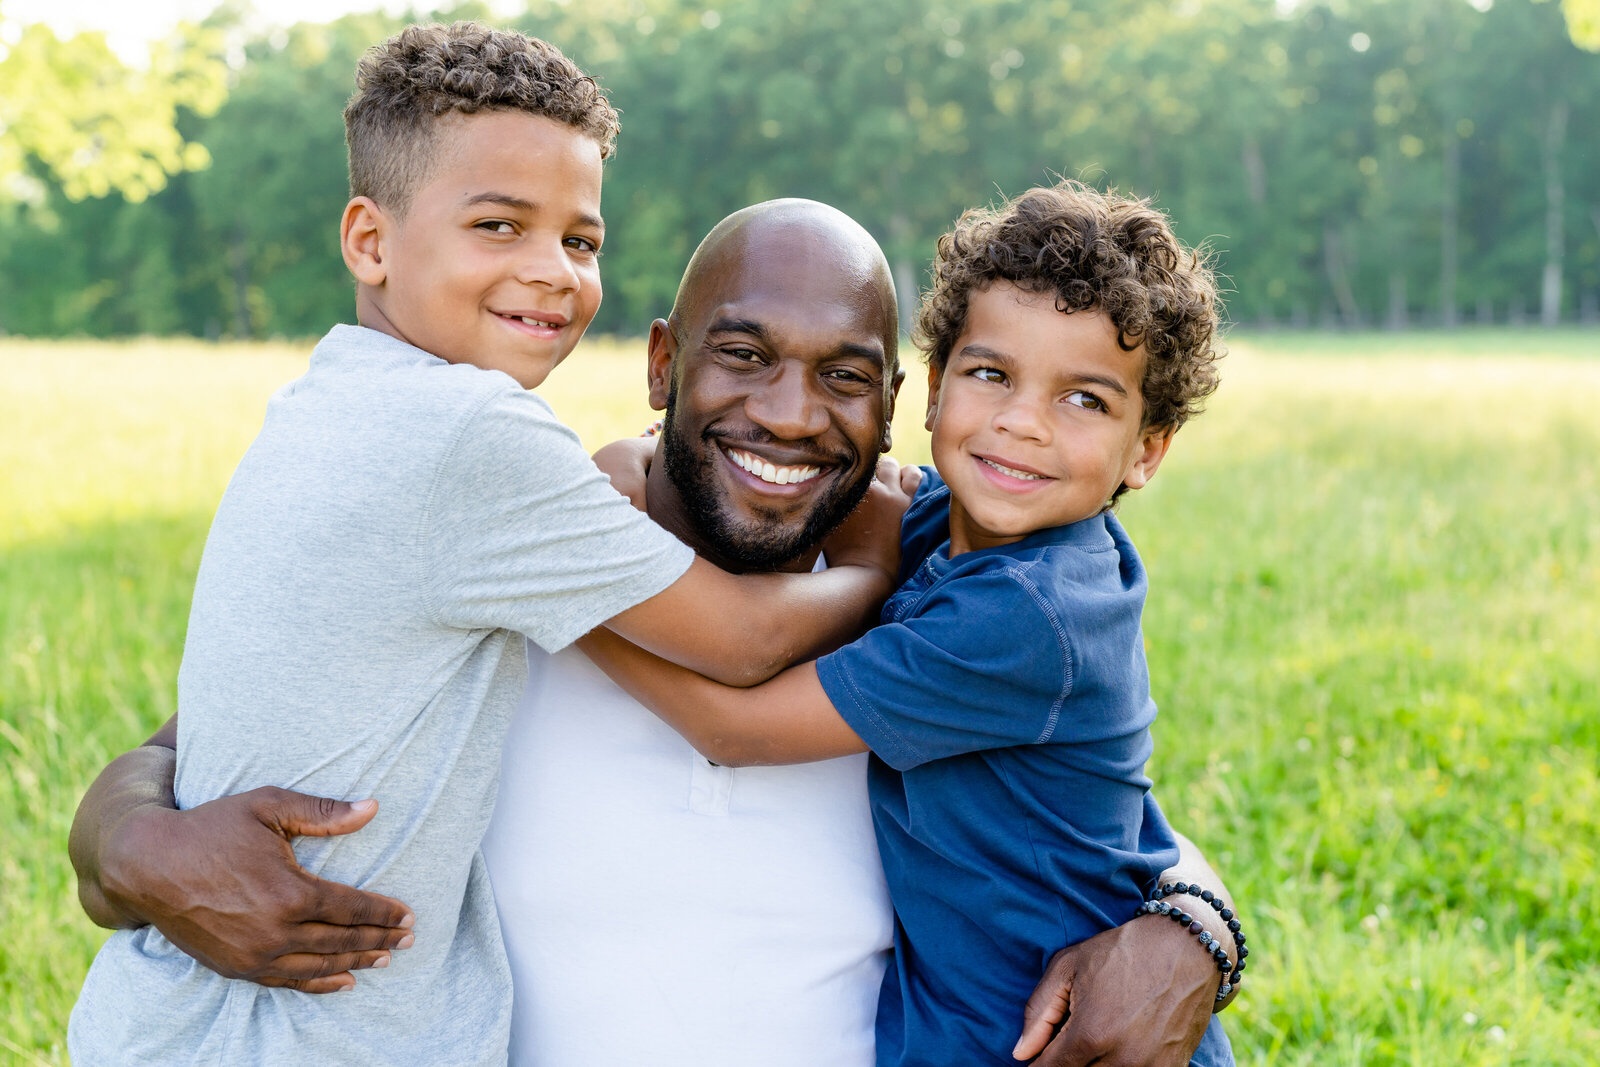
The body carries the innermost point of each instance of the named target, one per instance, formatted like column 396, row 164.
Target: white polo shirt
column 658, row 909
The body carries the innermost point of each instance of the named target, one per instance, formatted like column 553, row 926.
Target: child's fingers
column 910, row 479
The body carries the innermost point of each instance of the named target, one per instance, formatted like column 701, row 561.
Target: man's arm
column 1138, row 994
column 221, row 881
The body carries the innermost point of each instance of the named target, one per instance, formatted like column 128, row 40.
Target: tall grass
column 1374, row 633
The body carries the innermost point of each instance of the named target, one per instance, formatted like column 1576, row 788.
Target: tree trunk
column 1399, row 317
column 1450, row 200
column 1555, row 200
column 1338, row 276
column 905, row 272
column 1255, row 172
column 239, row 256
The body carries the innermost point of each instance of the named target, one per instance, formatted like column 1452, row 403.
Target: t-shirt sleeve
column 983, row 663
column 523, row 532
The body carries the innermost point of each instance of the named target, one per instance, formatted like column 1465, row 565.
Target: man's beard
column 747, row 546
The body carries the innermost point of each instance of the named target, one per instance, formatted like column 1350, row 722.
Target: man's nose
column 788, row 404
column 546, row 263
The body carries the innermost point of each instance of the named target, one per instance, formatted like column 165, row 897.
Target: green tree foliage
column 1349, row 161
column 94, row 125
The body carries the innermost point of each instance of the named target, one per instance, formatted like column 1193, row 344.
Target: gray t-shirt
column 398, row 522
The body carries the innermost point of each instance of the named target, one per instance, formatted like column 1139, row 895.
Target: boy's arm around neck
column 743, row 629
column 787, row 719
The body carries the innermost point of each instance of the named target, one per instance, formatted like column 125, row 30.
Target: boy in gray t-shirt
column 407, row 510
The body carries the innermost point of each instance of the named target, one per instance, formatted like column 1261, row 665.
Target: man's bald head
column 777, row 371
column 803, row 233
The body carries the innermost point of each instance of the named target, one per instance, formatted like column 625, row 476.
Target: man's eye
column 848, row 377
column 743, row 355
column 497, row 226
column 1086, row 400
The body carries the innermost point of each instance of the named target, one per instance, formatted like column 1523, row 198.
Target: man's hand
column 1137, row 995
column 870, row 537
column 222, row 883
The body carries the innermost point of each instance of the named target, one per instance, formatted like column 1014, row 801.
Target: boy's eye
column 989, row 374
column 497, row 226
column 1085, row 400
column 582, row 244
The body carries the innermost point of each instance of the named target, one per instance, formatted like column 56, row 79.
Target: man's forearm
column 135, row 780
column 1192, row 868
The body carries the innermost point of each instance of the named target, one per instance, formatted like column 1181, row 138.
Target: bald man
column 657, row 908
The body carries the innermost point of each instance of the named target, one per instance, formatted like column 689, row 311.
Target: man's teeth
column 767, row 472
column 1003, row 469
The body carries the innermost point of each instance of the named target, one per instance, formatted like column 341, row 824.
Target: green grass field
column 1374, row 633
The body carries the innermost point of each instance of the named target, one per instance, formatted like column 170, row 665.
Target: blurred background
column 1373, row 626
column 1386, row 163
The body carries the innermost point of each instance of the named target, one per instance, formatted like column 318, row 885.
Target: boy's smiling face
column 496, row 260
column 1037, row 418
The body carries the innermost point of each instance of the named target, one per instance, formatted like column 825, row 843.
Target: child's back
column 351, row 635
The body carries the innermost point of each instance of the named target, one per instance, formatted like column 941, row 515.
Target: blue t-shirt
column 1007, row 705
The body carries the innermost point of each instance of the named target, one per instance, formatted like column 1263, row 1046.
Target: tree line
column 1348, row 162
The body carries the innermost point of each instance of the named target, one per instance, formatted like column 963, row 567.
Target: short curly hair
column 407, row 83
column 1093, row 250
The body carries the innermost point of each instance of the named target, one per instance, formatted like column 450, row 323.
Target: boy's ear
column 361, row 239
column 934, row 376
column 1157, row 439
column 663, row 350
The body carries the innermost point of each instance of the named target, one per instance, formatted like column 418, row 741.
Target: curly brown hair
column 405, row 84
column 1094, row 250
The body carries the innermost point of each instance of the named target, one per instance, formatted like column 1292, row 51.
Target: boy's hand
column 1137, row 994
column 222, row 883
column 870, row 537
column 627, row 464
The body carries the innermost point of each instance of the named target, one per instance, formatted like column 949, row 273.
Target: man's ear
column 934, row 377
column 888, row 409
column 663, row 350
column 362, row 233
column 1153, row 450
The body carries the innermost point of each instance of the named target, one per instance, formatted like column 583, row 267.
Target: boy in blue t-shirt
column 1005, row 697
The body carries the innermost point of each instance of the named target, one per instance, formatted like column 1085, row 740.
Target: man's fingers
column 305, row 966
column 338, row 904
column 324, row 939
column 1048, row 1004
column 333, row 983
column 299, row 815
column 1069, row 1050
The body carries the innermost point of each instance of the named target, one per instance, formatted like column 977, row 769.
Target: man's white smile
column 769, row 472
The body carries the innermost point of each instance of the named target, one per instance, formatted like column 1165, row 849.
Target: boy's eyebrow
column 517, row 203
column 984, row 352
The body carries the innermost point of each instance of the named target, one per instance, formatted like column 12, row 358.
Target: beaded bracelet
column 1232, row 972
